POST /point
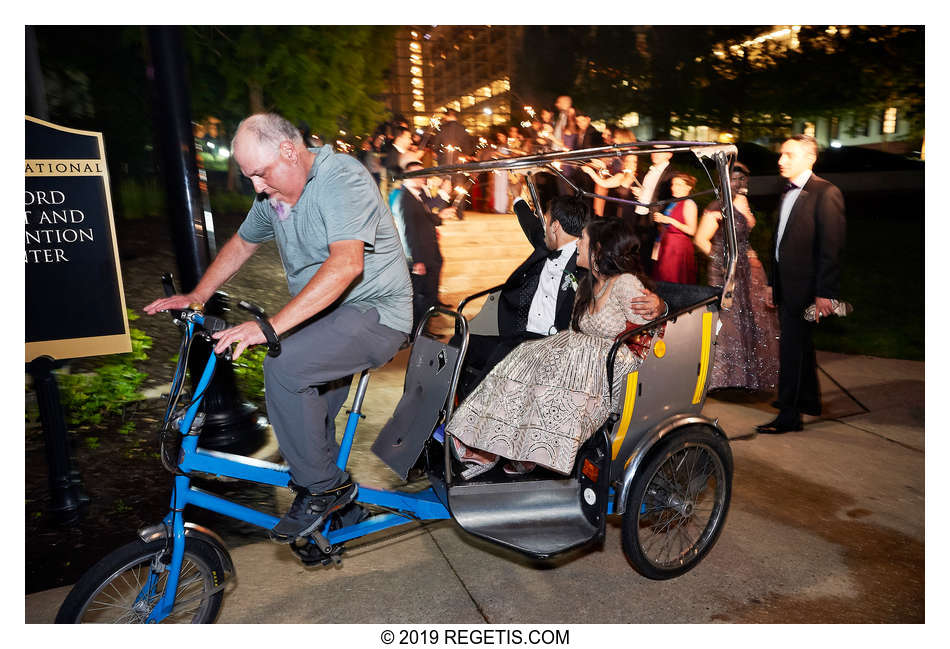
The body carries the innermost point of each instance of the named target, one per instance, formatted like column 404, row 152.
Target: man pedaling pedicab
column 351, row 304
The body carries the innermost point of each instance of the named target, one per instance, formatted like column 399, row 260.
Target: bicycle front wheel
column 124, row 587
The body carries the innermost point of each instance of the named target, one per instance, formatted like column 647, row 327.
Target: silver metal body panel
column 485, row 322
column 539, row 518
column 665, row 386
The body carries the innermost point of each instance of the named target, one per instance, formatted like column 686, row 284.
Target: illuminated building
column 882, row 129
column 467, row 68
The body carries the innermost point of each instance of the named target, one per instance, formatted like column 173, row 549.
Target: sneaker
column 352, row 514
column 309, row 510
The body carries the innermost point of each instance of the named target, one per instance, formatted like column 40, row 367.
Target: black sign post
column 75, row 305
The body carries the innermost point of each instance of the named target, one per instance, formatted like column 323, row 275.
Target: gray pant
column 307, row 384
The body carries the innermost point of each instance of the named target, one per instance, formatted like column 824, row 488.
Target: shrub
column 113, row 385
column 249, row 374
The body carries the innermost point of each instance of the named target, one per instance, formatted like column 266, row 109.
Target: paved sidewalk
column 826, row 525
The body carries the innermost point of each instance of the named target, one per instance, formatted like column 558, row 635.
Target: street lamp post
column 230, row 423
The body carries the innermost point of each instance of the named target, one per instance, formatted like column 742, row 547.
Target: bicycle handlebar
column 213, row 324
column 273, row 342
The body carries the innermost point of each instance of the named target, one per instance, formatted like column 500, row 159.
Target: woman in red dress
column 675, row 260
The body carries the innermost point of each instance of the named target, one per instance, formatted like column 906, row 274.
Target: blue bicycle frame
column 423, row 505
column 419, row 506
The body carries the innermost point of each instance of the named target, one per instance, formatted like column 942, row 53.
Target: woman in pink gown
column 675, row 260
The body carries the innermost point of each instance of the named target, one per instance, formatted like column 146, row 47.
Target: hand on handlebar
column 245, row 334
column 169, row 303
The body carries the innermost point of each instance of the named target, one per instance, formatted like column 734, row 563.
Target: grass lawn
column 883, row 277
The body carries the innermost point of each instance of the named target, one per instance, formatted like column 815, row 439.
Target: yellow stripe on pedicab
column 704, row 358
column 628, row 401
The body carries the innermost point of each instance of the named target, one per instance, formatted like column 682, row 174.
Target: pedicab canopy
column 709, row 156
column 75, row 304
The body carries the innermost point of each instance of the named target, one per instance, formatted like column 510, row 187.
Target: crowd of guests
column 655, row 230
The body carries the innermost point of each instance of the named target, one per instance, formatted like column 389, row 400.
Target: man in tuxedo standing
column 565, row 110
column 806, row 268
column 656, row 185
column 451, row 143
column 588, row 137
column 537, row 300
column 416, row 223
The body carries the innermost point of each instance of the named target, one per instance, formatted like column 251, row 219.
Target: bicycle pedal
column 312, row 554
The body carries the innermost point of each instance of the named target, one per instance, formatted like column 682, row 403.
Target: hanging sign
column 75, row 305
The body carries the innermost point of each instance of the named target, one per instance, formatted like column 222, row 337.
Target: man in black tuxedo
column 537, row 300
column 416, row 222
column 806, row 268
column 588, row 137
column 656, row 183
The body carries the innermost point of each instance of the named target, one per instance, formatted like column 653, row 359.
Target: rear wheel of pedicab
column 677, row 503
column 110, row 591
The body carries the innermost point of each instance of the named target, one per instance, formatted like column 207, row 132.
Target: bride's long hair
column 614, row 250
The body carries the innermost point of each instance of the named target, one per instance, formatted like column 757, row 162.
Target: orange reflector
column 590, row 470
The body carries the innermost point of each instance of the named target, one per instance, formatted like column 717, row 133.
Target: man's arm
column 344, row 264
column 830, row 232
column 529, row 222
column 229, row 260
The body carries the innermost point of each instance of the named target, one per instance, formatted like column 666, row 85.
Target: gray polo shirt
column 339, row 202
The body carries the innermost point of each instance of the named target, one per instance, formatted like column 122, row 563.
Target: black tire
column 678, row 503
column 107, row 592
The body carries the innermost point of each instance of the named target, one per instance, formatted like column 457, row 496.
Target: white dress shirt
column 650, row 179
column 544, row 304
column 788, row 202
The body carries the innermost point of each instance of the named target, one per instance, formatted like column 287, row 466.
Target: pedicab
column 656, row 461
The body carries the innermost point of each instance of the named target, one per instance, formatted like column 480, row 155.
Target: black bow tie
column 554, row 254
column 789, row 186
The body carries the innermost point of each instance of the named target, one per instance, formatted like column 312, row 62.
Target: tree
column 95, row 80
column 329, row 77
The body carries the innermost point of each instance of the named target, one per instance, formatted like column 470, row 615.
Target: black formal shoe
column 778, row 426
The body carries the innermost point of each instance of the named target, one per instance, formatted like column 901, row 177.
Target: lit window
column 415, row 47
column 630, row 120
column 889, row 123
column 809, row 129
column 417, row 83
column 416, row 71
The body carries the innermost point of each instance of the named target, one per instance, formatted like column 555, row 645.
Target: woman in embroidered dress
column 747, row 344
column 546, row 398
